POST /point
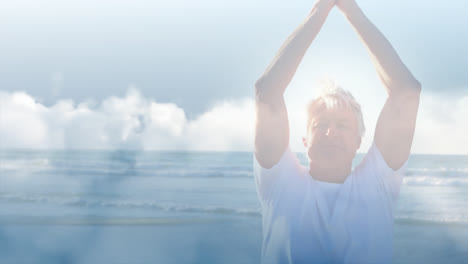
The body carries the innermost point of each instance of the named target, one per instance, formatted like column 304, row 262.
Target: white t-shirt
column 330, row 192
column 303, row 222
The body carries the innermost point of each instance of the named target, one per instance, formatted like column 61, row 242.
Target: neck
column 332, row 175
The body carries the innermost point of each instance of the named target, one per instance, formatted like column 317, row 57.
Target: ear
column 304, row 141
column 359, row 143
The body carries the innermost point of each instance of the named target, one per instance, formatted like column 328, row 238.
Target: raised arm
column 396, row 124
column 272, row 127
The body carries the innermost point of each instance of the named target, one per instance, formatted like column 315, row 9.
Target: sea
column 121, row 206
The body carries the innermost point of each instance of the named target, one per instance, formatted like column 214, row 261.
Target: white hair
column 333, row 96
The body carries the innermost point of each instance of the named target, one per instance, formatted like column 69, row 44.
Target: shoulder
column 374, row 170
column 374, row 160
column 287, row 160
column 287, row 171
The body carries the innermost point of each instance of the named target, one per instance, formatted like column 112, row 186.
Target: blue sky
column 203, row 55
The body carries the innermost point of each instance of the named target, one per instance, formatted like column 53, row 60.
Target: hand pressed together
column 346, row 6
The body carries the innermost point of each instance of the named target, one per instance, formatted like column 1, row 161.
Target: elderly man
column 330, row 212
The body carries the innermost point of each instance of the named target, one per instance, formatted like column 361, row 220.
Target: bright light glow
column 135, row 122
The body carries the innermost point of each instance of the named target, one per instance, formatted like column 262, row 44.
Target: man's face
column 332, row 138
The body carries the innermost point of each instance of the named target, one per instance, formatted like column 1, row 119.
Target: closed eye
column 321, row 125
column 342, row 126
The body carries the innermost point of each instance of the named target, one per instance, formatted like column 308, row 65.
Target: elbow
column 413, row 86
column 259, row 84
column 407, row 89
column 416, row 87
column 414, row 91
column 262, row 87
column 267, row 93
column 259, row 92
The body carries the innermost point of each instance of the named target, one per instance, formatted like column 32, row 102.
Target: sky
column 179, row 74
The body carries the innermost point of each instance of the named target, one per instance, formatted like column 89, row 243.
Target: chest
column 353, row 220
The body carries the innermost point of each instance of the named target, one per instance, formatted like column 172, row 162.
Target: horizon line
column 181, row 151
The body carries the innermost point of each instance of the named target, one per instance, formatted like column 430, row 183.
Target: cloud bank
column 136, row 122
column 131, row 122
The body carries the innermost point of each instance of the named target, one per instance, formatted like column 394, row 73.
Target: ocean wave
column 125, row 204
column 25, row 164
column 204, row 174
column 434, row 181
column 92, row 204
column 44, row 167
column 443, row 220
column 441, row 171
column 101, row 220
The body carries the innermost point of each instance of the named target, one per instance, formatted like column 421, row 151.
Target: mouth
column 331, row 148
column 326, row 153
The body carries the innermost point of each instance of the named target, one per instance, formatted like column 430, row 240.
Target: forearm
column 272, row 84
column 391, row 70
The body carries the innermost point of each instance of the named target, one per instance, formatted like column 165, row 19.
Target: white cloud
column 228, row 125
column 136, row 122
column 442, row 125
column 132, row 122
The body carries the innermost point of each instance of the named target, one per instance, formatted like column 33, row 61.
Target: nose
column 332, row 130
